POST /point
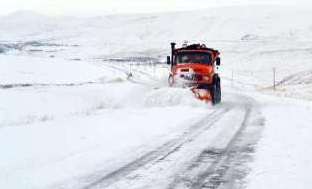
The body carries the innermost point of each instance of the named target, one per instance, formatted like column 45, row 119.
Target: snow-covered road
column 208, row 154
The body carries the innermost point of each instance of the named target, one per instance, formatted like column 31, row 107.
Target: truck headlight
column 206, row 78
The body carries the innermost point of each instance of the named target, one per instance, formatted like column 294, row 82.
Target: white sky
column 57, row 7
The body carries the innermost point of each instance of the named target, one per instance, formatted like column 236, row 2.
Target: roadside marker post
column 274, row 78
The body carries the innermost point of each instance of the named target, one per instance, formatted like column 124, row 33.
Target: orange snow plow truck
column 194, row 66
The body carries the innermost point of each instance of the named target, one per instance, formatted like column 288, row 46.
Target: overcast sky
column 60, row 7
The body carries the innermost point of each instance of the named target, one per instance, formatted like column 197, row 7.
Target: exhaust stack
column 172, row 51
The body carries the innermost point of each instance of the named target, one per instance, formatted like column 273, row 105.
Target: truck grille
column 192, row 77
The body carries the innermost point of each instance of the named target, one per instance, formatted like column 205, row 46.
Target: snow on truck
column 194, row 66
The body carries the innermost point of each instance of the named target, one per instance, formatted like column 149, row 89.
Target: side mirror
column 168, row 60
column 218, row 61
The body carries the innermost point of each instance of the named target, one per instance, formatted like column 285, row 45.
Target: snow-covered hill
column 253, row 39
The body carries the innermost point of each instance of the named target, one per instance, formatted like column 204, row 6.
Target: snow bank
column 172, row 97
column 284, row 157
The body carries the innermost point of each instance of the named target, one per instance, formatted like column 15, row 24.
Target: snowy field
column 72, row 115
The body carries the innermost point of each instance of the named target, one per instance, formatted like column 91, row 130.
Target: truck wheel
column 216, row 91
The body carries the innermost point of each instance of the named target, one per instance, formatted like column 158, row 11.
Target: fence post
column 274, row 78
column 154, row 70
column 130, row 68
column 232, row 79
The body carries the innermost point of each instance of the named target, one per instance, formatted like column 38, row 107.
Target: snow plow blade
column 202, row 94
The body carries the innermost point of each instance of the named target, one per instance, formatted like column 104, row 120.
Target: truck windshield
column 193, row 57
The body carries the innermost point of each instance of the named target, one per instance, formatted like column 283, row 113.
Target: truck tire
column 216, row 90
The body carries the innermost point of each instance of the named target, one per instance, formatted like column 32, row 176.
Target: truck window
column 193, row 57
